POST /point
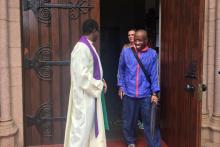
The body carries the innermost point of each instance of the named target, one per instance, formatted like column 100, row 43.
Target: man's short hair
column 89, row 26
column 144, row 33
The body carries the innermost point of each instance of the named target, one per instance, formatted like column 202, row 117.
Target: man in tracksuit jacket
column 136, row 92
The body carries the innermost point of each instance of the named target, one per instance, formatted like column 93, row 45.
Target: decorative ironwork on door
column 41, row 63
column 41, row 8
column 43, row 120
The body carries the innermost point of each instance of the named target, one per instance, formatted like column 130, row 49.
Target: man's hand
column 154, row 99
column 105, row 86
column 121, row 93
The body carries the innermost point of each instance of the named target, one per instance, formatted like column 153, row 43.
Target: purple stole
column 96, row 75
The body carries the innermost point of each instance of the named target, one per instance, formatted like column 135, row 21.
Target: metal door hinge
column 41, row 8
column 43, row 120
column 41, row 63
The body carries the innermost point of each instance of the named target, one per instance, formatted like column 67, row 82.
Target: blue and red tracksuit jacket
column 130, row 76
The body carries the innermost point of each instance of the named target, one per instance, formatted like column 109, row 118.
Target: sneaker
column 131, row 145
column 140, row 125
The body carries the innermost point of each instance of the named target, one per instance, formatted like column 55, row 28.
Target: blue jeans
column 131, row 107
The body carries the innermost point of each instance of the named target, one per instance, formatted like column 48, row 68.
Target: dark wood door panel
column 181, row 55
column 49, row 34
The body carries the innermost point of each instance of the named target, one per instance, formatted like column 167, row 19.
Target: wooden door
column 181, row 65
column 49, row 32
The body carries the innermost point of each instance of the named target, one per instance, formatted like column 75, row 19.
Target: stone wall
column 211, row 66
column 11, row 114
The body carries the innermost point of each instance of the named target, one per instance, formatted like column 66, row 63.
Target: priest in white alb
column 86, row 118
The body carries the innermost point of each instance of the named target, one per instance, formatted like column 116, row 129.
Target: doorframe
column 19, row 114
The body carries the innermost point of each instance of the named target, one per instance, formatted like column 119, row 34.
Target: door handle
column 190, row 87
column 191, row 76
column 192, row 70
column 203, row 87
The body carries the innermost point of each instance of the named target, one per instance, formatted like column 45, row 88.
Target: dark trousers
column 131, row 107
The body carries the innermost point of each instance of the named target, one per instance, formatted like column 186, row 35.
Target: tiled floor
column 119, row 143
column 114, row 143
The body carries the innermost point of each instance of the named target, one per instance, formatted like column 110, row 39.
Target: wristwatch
column 155, row 94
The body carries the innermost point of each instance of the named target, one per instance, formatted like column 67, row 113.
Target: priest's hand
column 105, row 86
column 121, row 93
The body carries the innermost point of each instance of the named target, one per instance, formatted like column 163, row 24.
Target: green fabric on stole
column 105, row 117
